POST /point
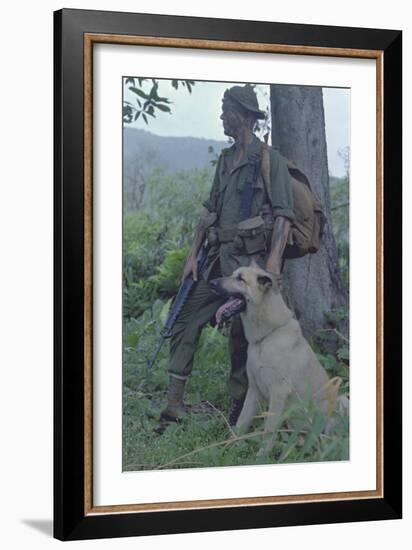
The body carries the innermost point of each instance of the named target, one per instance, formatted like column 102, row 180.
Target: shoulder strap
column 265, row 168
column 294, row 171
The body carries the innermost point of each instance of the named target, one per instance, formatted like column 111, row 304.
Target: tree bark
column 298, row 130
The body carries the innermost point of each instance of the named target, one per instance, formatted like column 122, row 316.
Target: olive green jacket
column 225, row 198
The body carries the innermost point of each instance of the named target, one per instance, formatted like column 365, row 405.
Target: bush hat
column 246, row 97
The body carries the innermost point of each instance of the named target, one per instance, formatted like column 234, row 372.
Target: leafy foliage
column 148, row 103
column 156, row 237
column 339, row 191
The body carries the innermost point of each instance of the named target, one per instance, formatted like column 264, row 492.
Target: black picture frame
column 72, row 520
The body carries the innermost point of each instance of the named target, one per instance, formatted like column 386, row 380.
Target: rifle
column 180, row 300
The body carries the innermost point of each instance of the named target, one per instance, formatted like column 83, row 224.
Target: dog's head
column 246, row 285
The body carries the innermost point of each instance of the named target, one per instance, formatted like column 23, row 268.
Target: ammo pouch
column 250, row 237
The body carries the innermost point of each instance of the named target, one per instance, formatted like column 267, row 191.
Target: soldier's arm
column 200, row 232
column 282, row 202
column 277, row 246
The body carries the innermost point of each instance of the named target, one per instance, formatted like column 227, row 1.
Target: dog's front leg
column 277, row 402
column 249, row 410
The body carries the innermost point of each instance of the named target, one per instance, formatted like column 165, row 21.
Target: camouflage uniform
column 223, row 259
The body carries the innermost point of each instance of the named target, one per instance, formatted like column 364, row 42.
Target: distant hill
column 170, row 153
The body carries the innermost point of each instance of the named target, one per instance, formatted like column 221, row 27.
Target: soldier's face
column 232, row 120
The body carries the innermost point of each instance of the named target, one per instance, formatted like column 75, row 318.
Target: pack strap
column 293, row 170
column 265, row 168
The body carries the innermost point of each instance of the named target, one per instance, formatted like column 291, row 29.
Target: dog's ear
column 264, row 281
column 253, row 263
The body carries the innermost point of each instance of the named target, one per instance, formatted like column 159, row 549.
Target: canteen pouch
column 251, row 238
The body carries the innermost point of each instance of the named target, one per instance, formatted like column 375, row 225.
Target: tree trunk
column 298, row 130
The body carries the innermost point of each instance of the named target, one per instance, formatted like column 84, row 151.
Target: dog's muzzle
column 234, row 304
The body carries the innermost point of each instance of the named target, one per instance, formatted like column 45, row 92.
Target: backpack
column 306, row 230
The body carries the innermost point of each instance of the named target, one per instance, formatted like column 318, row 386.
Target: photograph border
column 76, row 31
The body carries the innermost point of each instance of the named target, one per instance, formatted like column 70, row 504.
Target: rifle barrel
column 179, row 302
column 159, row 347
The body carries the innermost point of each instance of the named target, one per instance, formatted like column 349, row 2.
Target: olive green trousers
column 198, row 311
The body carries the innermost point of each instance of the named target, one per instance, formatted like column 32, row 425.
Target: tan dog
column 281, row 366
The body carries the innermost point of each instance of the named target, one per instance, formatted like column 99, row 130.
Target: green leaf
column 165, row 311
column 317, row 426
column 139, row 92
column 163, row 108
column 292, row 440
column 127, row 114
column 129, row 80
column 328, row 451
column 309, row 392
column 150, row 111
column 343, row 352
column 132, row 339
column 153, row 91
column 175, row 84
column 163, row 99
column 145, row 118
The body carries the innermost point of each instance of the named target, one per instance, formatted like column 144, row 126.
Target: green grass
column 204, row 439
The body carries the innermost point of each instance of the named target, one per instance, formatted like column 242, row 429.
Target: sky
column 197, row 114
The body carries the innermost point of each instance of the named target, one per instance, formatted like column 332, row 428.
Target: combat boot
column 175, row 410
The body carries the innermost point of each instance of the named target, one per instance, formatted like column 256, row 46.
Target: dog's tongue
column 229, row 308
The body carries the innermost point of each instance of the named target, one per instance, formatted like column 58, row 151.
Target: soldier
column 241, row 222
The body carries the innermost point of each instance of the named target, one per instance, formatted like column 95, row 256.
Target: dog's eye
column 240, row 278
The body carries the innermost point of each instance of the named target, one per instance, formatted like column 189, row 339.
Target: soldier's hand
column 273, row 267
column 190, row 268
